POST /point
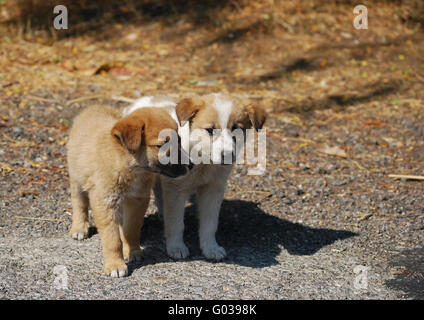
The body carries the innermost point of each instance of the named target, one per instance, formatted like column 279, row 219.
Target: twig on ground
column 124, row 99
column 84, row 99
column 359, row 166
column 365, row 216
column 253, row 191
column 43, row 99
column 408, row 177
column 43, row 219
column 9, row 84
column 278, row 135
column 266, row 194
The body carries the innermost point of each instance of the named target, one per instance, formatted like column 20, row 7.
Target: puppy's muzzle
column 174, row 170
column 179, row 169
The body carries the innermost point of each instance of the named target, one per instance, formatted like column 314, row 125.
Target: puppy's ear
column 257, row 116
column 187, row 108
column 129, row 133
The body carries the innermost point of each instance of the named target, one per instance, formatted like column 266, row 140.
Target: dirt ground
column 326, row 220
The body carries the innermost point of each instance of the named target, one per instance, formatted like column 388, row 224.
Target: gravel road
column 317, row 228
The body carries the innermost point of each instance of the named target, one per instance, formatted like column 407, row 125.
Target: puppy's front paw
column 214, row 252
column 116, row 270
column 177, row 251
column 79, row 232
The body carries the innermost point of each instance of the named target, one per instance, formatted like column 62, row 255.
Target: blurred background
column 304, row 54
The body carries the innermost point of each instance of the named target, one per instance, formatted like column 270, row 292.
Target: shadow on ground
column 251, row 237
column 367, row 93
column 411, row 279
column 95, row 16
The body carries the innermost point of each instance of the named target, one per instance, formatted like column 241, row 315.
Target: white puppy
column 209, row 120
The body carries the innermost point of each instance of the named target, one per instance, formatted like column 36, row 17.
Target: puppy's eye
column 210, row 131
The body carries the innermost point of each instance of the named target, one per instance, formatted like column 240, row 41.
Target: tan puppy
column 112, row 164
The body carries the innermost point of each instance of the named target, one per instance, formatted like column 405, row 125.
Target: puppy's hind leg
column 133, row 217
column 80, row 224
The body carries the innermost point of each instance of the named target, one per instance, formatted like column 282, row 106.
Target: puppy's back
column 94, row 119
column 90, row 139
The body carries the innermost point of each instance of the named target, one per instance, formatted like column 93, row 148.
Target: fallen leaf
column 68, row 66
column 333, row 151
column 118, row 68
column 375, row 124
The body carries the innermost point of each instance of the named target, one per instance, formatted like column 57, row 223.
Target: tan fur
column 187, row 109
column 110, row 167
column 201, row 114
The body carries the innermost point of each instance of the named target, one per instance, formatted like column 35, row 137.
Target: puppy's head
column 138, row 133
column 213, row 120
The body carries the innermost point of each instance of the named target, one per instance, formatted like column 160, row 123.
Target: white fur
column 224, row 108
column 153, row 101
column 222, row 140
column 208, row 182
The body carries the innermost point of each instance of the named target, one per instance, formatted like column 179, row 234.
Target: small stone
column 322, row 171
column 95, row 87
column 408, row 123
column 207, row 83
column 18, row 131
column 339, row 183
column 288, row 201
column 281, row 195
column 331, row 167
